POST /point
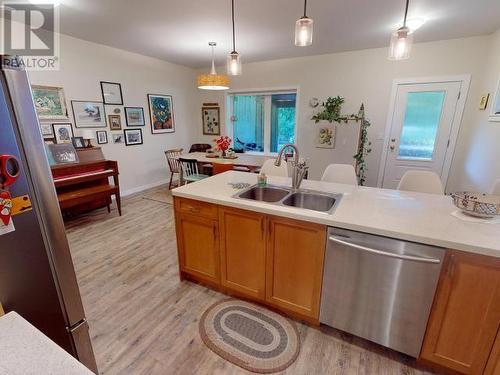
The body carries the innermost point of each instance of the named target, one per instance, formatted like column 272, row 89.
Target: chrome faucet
column 299, row 168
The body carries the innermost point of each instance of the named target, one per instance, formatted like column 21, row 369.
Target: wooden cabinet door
column 466, row 313
column 243, row 251
column 198, row 244
column 493, row 365
column 295, row 258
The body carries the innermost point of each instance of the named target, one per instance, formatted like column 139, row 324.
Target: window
column 263, row 122
column 421, row 124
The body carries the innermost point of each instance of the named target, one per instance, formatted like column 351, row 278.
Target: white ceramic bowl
column 477, row 204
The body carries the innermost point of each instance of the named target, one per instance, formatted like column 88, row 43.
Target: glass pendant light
column 401, row 40
column 304, row 29
column 234, row 58
column 213, row 81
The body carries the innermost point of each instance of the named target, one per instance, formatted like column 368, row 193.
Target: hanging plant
column 331, row 110
column 365, row 147
column 332, row 113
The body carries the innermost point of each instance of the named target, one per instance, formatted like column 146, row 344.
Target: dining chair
column 221, row 168
column 270, row 169
column 495, row 190
column 340, row 174
column 173, row 164
column 199, row 147
column 422, row 182
column 189, row 171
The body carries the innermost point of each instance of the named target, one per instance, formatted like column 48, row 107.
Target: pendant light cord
column 305, row 9
column 406, row 12
column 232, row 13
column 213, row 72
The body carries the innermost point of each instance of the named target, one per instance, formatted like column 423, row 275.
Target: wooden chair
column 221, row 168
column 189, row 171
column 173, row 163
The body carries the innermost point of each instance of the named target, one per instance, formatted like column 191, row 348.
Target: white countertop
column 417, row 217
column 24, row 350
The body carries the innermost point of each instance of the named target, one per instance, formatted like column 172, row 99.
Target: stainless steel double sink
column 302, row 198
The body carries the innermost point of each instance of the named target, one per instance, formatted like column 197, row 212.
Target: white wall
column 85, row 64
column 366, row 76
column 477, row 164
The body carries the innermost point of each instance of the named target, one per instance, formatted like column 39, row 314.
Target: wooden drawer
column 197, row 208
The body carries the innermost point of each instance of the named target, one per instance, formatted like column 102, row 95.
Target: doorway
column 422, row 127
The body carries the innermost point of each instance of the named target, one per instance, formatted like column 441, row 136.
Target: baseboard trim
column 138, row 189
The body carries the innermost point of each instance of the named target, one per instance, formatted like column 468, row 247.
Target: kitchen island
column 274, row 254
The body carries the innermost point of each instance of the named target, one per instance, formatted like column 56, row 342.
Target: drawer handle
column 193, row 209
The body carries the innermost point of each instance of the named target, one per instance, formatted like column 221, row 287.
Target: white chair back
column 340, row 174
column 422, row 182
column 271, row 170
column 495, row 190
column 189, row 166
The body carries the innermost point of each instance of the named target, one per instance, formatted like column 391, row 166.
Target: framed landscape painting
column 211, row 120
column 134, row 116
column 133, row 137
column 88, row 114
column 161, row 112
column 50, row 102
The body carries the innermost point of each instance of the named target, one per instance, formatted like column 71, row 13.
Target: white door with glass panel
column 421, row 128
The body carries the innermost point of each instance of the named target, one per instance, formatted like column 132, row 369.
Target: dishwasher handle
column 383, row 253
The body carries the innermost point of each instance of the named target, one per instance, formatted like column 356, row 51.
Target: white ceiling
column 178, row 31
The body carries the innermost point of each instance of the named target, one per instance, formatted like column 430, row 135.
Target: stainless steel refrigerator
column 37, row 277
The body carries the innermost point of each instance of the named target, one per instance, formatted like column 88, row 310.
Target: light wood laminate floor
column 143, row 320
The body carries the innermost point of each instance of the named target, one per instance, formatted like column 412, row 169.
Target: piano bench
column 89, row 194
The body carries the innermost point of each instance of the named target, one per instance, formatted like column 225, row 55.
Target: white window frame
column 267, row 111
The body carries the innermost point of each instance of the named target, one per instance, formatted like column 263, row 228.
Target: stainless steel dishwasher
column 379, row 288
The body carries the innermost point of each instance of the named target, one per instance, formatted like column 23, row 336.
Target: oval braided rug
column 250, row 336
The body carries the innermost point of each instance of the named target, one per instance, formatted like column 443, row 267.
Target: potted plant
column 331, row 110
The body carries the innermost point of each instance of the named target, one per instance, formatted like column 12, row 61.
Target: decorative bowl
column 477, row 204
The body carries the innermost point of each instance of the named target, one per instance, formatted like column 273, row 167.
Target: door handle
column 392, row 148
column 383, row 253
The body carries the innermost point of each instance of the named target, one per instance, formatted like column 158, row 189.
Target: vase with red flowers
column 222, row 144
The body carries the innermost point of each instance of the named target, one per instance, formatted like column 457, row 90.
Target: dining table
column 243, row 160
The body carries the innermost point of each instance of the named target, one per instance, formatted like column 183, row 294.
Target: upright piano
column 87, row 185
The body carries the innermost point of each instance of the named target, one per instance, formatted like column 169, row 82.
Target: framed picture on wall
column 118, row 138
column 47, row 130
column 115, row 122
column 495, row 105
column 134, row 116
column 211, row 120
column 133, row 137
column 50, row 103
column 161, row 112
column 102, row 137
column 88, row 114
column 111, row 93
column 63, row 133
column 325, row 137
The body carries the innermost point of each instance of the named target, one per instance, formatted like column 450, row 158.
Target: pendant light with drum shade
column 401, row 40
column 234, row 58
column 304, row 29
column 213, row 81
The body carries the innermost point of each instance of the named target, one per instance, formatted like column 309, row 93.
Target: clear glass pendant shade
column 234, row 64
column 304, row 32
column 401, row 43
